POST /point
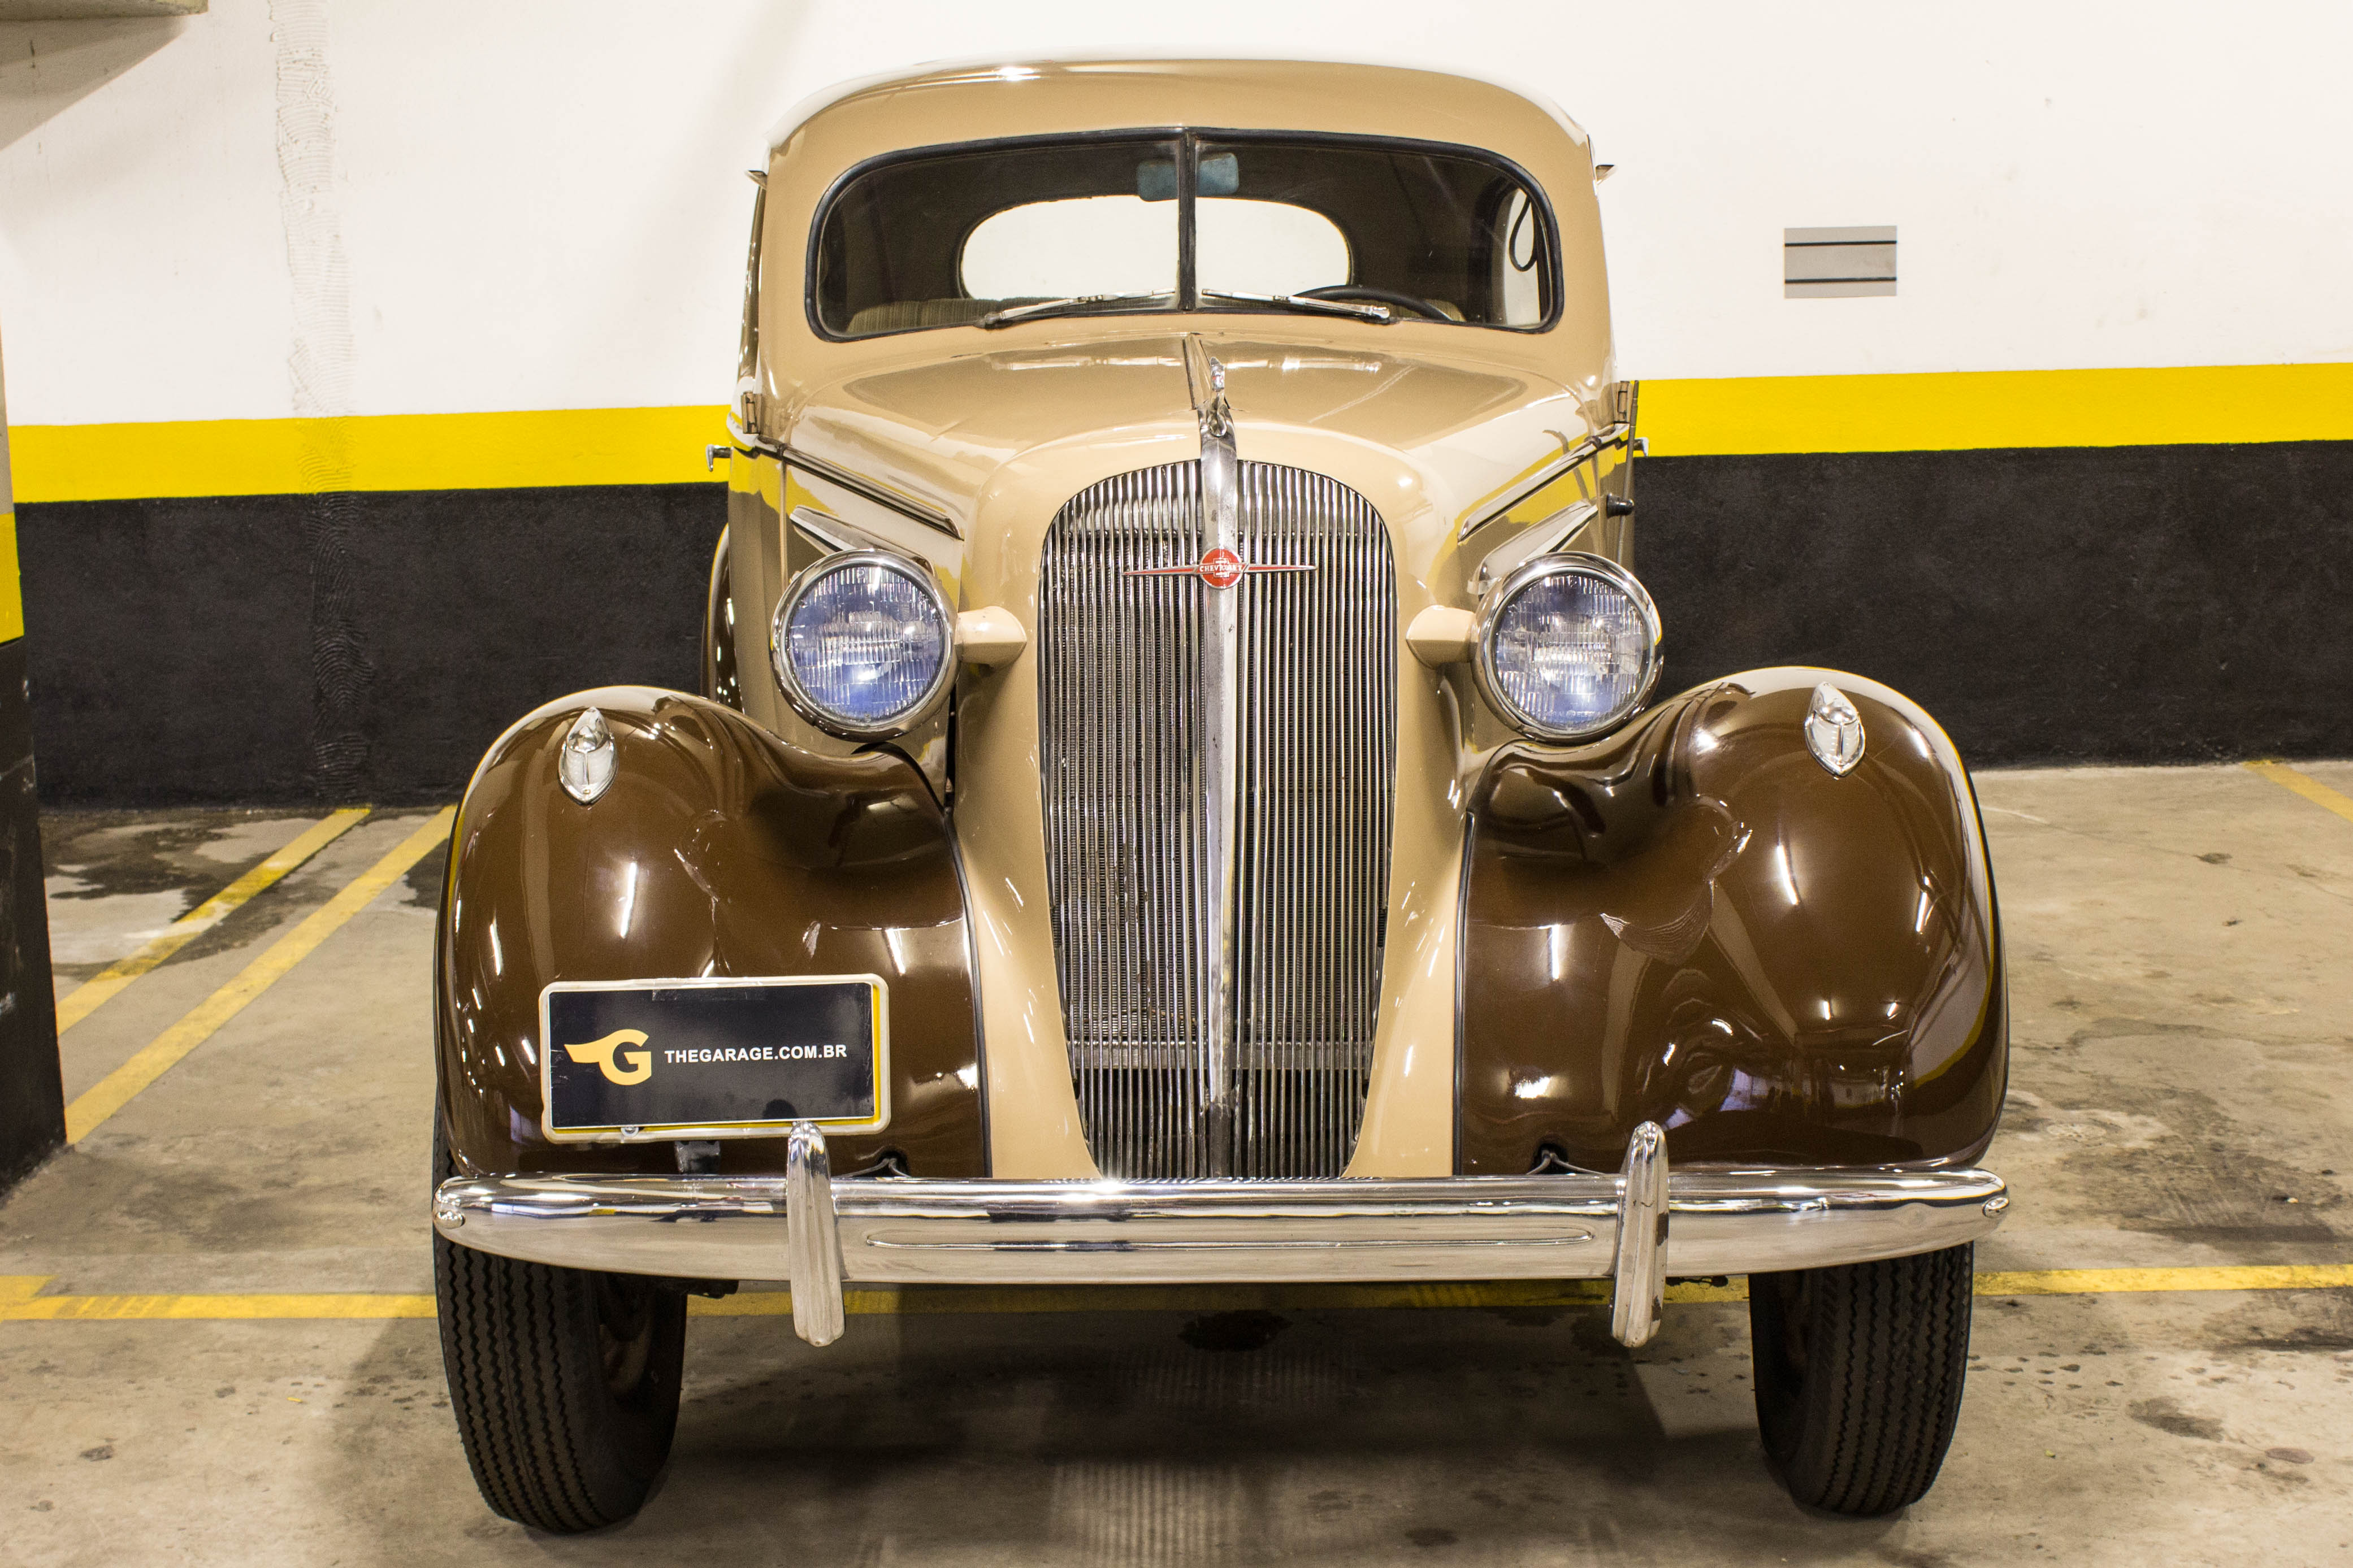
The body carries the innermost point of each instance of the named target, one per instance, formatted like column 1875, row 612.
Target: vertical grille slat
column 1121, row 726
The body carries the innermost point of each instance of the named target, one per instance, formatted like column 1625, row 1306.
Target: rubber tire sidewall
column 1864, row 1426
column 550, row 1442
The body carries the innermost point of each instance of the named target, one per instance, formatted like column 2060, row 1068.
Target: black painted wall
column 2135, row 605
column 361, row 647
column 2168, row 603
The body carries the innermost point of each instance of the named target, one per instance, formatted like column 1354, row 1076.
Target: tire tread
column 1864, row 1431
column 517, row 1349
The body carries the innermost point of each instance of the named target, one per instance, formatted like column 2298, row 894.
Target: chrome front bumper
column 1637, row 1228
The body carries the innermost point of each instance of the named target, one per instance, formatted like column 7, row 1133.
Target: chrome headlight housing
column 863, row 643
column 1568, row 647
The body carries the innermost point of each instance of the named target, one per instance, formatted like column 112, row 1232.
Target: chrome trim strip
column 856, row 484
column 1584, row 452
column 830, row 533
column 916, row 1230
column 1203, row 569
column 1547, row 537
column 1567, row 1237
column 1220, row 740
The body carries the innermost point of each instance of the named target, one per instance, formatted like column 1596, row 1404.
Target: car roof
column 982, row 99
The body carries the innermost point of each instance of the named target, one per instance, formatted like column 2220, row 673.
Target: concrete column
column 32, row 1097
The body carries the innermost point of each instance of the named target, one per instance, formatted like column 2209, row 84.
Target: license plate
column 632, row 1061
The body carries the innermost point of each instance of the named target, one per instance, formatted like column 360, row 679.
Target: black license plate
column 637, row 1060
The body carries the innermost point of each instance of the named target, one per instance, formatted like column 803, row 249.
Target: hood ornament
column 1833, row 729
column 1219, row 566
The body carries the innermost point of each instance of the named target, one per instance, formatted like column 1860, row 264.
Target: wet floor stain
column 2310, row 1321
column 2144, row 1151
column 2165, row 1415
column 423, row 881
column 116, row 880
column 109, row 854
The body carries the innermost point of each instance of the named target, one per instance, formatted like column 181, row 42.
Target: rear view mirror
column 1220, row 174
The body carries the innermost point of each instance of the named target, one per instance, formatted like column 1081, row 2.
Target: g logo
column 601, row 1052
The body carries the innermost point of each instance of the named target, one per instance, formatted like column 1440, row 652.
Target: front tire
column 1859, row 1375
column 565, row 1382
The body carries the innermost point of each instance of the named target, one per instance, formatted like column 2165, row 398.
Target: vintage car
column 1178, row 795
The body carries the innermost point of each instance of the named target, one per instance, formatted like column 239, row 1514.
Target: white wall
column 425, row 205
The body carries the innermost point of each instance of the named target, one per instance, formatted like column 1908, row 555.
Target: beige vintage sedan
column 1181, row 793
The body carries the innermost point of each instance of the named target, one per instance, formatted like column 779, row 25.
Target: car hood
column 1427, row 429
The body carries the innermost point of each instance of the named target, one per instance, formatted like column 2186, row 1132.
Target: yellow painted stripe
column 1942, row 410
column 21, row 1302
column 2312, row 789
column 84, row 999
column 153, row 1059
column 211, row 1309
column 12, row 588
column 373, row 452
column 2105, row 1281
column 2189, row 405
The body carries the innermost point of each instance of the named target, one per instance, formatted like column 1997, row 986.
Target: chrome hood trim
column 1221, row 652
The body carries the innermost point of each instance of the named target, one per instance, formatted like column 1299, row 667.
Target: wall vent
column 1837, row 263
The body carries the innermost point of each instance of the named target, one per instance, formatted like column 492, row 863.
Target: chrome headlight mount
column 863, row 643
column 1567, row 646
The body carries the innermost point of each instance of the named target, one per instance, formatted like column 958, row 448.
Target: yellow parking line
column 114, row 1091
column 212, row 1308
column 84, row 999
column 21, row 1301
column 2312, row 789
column 2090, row 1282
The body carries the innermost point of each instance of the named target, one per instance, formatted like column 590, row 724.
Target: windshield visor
column 1376, row 230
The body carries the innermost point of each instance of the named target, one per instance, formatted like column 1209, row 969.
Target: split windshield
column 996, row 234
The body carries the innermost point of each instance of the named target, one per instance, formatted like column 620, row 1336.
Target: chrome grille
column 1123, row 721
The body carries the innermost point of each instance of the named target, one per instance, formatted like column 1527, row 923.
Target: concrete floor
column 2180, row 995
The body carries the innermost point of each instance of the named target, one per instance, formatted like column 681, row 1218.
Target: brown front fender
column 717, row 850
column 1695, row 923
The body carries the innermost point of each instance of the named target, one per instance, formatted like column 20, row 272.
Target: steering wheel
column 1403, row 302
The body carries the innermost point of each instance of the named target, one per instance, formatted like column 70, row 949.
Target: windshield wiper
column 1082, row 304
column 1362, row 312
column 1077, row 304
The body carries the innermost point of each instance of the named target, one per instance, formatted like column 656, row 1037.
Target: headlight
column 1568, row 645
column 863, row 643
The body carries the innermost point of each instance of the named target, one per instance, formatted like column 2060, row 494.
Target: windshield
column 1222, row 221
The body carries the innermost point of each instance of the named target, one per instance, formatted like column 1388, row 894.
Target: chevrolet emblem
column 1221, row 568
